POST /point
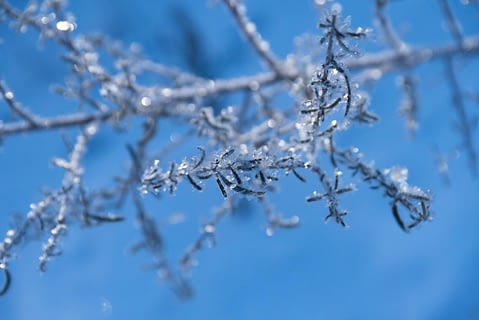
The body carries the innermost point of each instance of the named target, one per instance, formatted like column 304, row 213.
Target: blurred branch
column 391, row 61
column 384, row 62
column 53, row 123
column 389, row 34
column 16, row 107
column 249, row 29
column 409, row 105
column 464, row 125
column 452, row 22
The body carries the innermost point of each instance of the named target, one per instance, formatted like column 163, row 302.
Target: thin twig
column 464, row 125
column 452, row 22
column 17, row 108
column 386, row 28
column 248, row 28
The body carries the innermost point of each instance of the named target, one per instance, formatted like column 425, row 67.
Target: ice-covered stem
column 330, row 85
column 254, row 176
column 225, row 172
column 335, row 38
column 331, row 191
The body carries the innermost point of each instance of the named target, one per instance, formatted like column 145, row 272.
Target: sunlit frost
column 243, row 148
column 10, row 233
column 145, row 101
column 209, row 228
column 254, row 85
column 92, row 129
column 398, row 175
column 336, row 8
column 65, row 26
column 9, row 95
column 250, row 27
column 269, row 231
column 166, row 92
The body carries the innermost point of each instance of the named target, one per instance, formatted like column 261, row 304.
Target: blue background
column 371, row 270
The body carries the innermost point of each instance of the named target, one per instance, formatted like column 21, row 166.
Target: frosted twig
column 71, row 180
column 331, row 191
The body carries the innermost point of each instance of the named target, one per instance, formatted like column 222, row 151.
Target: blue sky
column 372, row 270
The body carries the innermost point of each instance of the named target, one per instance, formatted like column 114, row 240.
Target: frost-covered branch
column 51, row 214
column 245, row 149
